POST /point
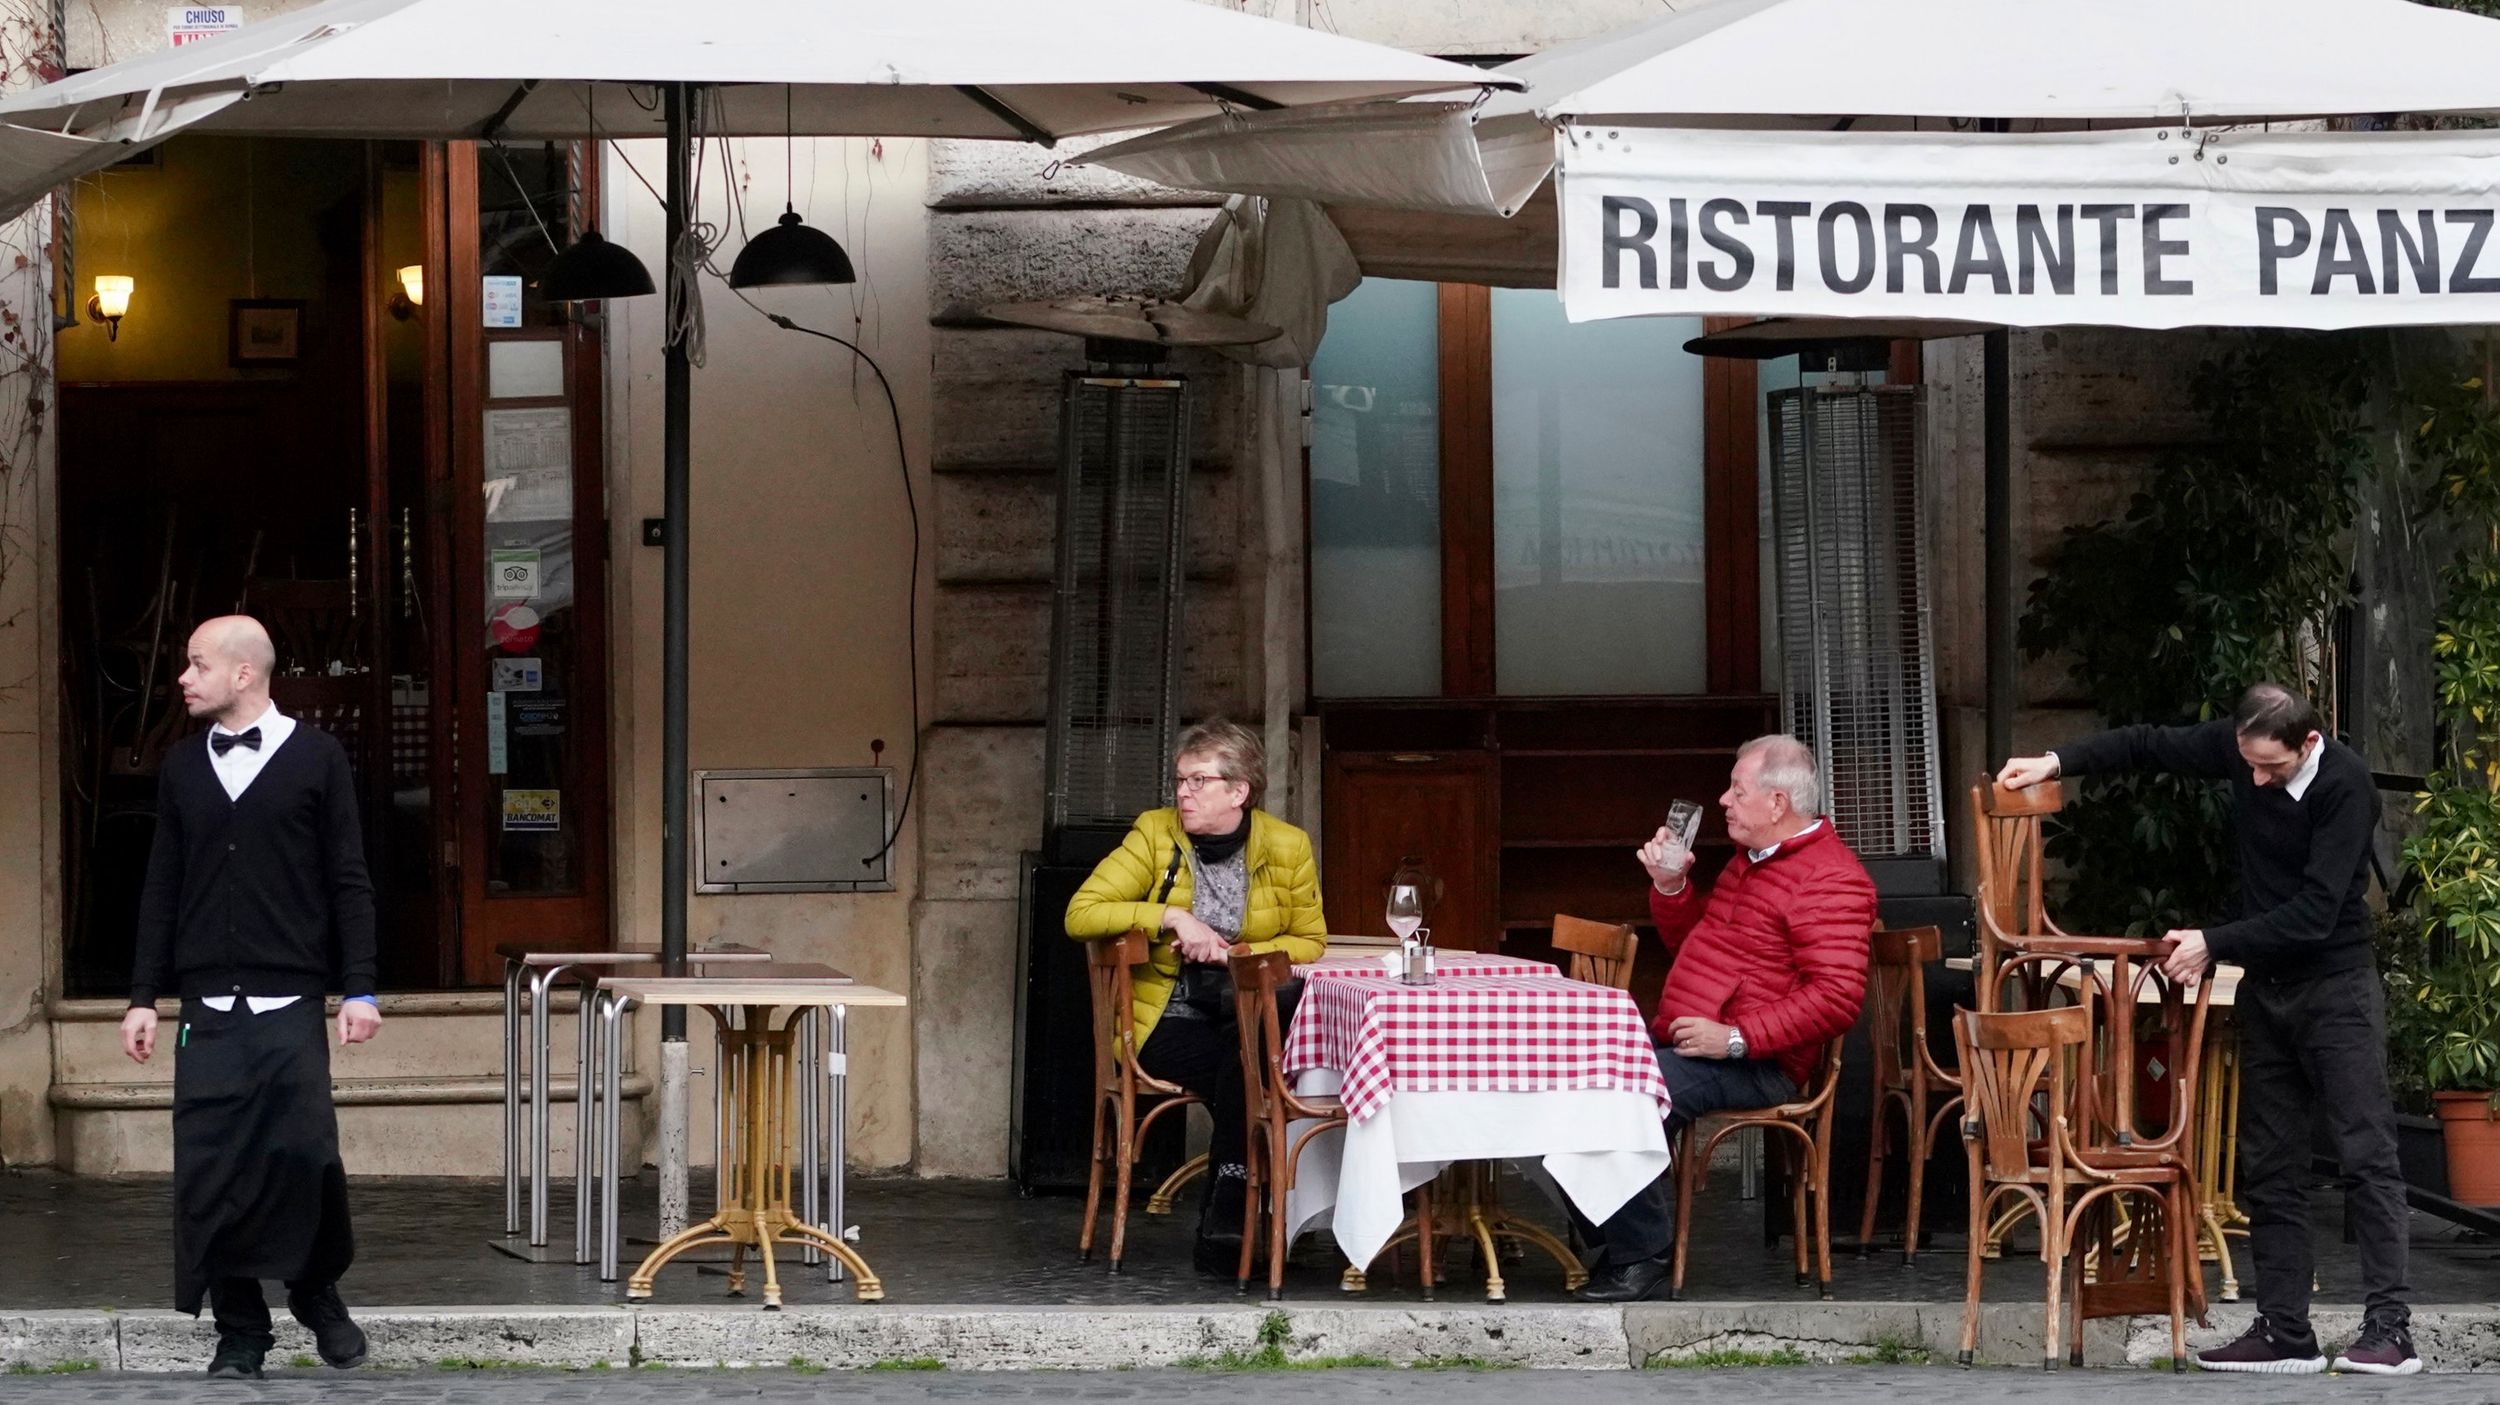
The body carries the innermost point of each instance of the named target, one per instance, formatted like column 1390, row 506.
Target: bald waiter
column 257, row 905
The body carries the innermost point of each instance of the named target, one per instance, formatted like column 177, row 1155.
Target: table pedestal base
column 754, row 1210
column 1475, row 1211
column 742, row 1230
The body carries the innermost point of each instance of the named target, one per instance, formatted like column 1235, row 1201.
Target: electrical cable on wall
column 911, row 593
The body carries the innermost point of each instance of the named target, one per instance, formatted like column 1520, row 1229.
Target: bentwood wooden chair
column 1272, row 1107
column 2007, row 828
column 2030, row 1099
column 1804, row 1128
column 1127, row 1100
column 1601, row 952
column 1907, row 1078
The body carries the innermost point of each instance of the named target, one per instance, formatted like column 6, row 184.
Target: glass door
column 530, row 658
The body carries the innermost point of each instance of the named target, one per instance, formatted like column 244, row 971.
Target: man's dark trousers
column 1645, row 1227
column 2318, row 1047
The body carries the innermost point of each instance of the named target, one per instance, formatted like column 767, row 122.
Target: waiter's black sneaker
column 2263, row 1351
column 2380, row 1351
column 340, row 1341
column 236, row 1360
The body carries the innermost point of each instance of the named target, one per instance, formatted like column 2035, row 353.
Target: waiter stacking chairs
column 1906, row 1076
column 1121, row 1089
column 1804, row 1128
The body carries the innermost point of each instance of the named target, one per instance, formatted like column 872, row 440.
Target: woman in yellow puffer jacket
column 1208, row 877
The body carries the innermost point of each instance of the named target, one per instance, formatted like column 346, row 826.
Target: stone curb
column 847, row 1337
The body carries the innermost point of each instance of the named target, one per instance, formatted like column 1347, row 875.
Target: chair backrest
column 312, row 623
column 1256, row 977
column 2006, row 829
column 1601, row 952
column 2007, row 1058
column 1107, row 966
column 1896, row 1001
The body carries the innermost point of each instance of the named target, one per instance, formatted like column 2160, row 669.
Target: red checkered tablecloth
column 1479, row 1034
column 1444, row 963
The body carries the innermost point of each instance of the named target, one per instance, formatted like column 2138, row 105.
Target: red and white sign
column 189, row 24
column 514, row 627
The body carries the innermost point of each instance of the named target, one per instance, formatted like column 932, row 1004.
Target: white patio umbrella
column 560, row 69
column 1825, row 71
column 1807, row 65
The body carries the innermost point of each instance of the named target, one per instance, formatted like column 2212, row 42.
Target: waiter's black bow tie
column 228, row 741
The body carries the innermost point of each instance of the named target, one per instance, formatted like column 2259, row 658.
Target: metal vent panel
column 1855, row 636
column 1115, row 626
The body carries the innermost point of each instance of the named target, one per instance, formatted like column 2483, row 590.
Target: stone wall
column 1005, row 227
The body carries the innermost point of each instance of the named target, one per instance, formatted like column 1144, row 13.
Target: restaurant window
column 1507, row 504
column 1597, row 502
column 1376, row 496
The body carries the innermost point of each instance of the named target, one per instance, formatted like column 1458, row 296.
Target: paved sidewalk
column 1756, row 1386
column 88, row 1243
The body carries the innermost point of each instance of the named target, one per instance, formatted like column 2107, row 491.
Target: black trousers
column 2318, row 1048
column 241, row 1311
column 1204, row 1056
column 1645, row 1227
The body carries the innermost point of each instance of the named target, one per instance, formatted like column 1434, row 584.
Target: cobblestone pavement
column 1330, row 1387
column 89, row 1243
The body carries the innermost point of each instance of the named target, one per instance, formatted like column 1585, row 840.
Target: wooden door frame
column 583, row 918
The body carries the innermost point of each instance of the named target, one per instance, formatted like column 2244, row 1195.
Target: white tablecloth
column 1599, row 1145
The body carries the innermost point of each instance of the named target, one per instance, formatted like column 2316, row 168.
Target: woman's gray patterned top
column 1219, row 892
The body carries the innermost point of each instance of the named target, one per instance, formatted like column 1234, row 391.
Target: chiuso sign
column 2135, row 228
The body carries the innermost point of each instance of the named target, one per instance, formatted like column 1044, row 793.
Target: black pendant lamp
column 791, row 253
column 594, row 270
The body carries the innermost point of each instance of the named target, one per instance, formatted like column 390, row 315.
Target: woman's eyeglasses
column 1191, row 785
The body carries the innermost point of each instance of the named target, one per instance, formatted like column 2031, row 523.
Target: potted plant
column 2447, row 984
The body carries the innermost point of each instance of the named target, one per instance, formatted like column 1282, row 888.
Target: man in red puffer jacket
column 1767, row 972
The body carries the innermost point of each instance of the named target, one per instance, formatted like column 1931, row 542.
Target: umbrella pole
column 677, row 405
column 1997, row 414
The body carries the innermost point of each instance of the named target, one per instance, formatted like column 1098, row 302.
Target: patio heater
column 1849, row 541
column 1115, row 677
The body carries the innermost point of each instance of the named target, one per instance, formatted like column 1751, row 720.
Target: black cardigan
column 2303, row 864
column 265, row 894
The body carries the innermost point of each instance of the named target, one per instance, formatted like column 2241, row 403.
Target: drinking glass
column 1684, row 822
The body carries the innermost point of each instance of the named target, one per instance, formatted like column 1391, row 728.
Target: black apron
column 259, row 1190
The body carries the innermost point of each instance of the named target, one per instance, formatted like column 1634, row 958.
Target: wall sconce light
column 111, row 302
column 411, row 294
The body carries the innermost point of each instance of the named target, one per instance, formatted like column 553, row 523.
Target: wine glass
column 1406, row 910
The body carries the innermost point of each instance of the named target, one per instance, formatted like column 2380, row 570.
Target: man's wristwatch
column 1735, row 1042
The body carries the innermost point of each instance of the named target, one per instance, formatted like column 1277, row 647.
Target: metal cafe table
column 536, row 971
column 773, row 1069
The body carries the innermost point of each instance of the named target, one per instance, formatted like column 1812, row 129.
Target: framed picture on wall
column 264, row 332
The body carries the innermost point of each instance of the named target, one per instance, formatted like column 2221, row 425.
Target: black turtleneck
column 1216, row 848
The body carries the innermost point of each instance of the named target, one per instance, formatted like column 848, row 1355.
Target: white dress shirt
column 2298, row 785
column 236, row 770
column 1758, row 855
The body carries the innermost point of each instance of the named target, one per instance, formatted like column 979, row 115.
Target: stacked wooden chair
column 2054, row 1096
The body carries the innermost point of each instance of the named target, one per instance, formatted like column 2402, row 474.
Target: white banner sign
column 2132, row 229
